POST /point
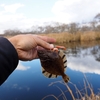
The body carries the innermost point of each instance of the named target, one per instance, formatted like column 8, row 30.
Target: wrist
column 14, row 42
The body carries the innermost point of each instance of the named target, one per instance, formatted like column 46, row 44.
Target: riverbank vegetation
column 66, row 37
column 77, row 37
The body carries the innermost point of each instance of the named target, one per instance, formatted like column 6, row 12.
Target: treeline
column 56, row 27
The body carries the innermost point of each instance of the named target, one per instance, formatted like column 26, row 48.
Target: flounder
column 54, row 63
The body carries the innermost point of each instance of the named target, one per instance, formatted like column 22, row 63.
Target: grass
column 66, row 37
column 81, row 94
column 78, row 37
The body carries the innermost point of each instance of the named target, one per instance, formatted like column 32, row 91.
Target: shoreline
column 66, row 37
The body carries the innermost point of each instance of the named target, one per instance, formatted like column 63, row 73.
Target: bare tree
column 73, row 28
column 93, row 25
column 12, row 32
column 97, row 17
column 85, row 28
column 98, row 28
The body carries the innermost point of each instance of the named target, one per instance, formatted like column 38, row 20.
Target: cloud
column 64, row 11
column 76, row 10
column 16, row 86
column 83, row 65
column 21, row 67
column 11, row 8
column 10, row 18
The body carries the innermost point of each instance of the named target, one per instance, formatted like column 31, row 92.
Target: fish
column 54, row 63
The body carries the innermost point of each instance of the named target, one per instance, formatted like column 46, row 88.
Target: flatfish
column 54, row 63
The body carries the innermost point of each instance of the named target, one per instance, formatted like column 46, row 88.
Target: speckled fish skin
column 52, row 63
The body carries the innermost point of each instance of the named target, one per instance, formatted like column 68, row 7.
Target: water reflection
column 86, row 60
column 85, row 51
column 28, row 83
column 21, row 67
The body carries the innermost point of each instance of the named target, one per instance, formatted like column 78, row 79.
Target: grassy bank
column 78, row 37
column 69, row 38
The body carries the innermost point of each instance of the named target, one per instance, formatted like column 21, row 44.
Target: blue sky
column 33, row 8
column 23, row 14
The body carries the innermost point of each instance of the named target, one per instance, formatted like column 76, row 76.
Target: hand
column 27, row 45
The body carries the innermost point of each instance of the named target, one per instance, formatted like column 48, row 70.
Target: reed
column 66, row 37
column 89, row 36
column 78, row 37
column 81, row 95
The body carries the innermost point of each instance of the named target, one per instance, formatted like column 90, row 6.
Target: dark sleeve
column 8, row 59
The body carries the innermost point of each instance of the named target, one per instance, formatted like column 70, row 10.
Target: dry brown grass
column 70, row 38
column 81, row 94
column 78, row 37
column 64, row 37
column 89, row 36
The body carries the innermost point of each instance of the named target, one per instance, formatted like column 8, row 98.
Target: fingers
column 47, row 39
column 43, row 43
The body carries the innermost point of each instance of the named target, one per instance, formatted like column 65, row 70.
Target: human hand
column 27, row 45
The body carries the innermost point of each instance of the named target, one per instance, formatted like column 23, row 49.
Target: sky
column 23, row 14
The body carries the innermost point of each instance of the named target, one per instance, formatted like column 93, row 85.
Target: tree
column 85, row 28
column 97, row 17
column 73, row 28
column 12, row 32
column 93, row 25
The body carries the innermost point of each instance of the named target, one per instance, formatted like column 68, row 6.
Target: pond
column 28, row 83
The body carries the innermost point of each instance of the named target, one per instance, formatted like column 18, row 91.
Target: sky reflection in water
column 85, row 61
column 28, row 83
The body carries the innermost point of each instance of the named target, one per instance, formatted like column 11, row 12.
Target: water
column 28, row 83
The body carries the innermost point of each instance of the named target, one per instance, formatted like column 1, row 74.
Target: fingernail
column 51, row 46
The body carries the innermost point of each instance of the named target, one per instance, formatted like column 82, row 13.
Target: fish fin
column 65, row 68
column 64, row 58
column 47, row 74
column 66, row 78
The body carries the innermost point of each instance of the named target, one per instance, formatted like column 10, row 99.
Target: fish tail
column 65, row 78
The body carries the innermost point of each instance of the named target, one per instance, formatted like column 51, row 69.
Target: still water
column 28, row 83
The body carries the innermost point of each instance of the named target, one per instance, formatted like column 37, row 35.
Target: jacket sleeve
column 8, row 59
